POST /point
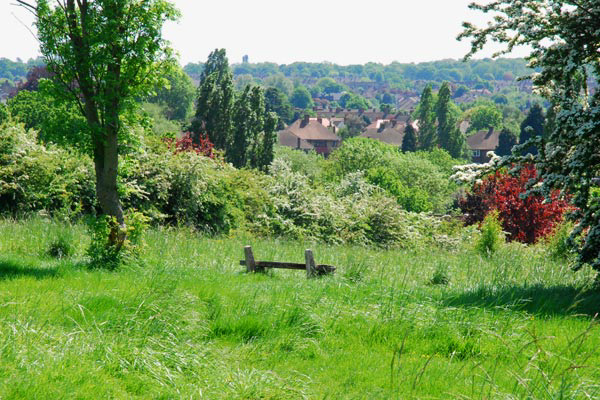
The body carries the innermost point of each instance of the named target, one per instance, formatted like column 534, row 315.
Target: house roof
column 484, row 140
column 382, row 124
column 388, row 135
column 287, row 138
column 311, row 130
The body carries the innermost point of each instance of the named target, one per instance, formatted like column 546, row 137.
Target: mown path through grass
column 188, row 323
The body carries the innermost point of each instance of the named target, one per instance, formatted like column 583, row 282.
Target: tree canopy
column 103, row 54
column 564, row 37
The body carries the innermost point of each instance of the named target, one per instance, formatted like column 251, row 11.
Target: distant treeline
column 395, row 74
column 16, row 70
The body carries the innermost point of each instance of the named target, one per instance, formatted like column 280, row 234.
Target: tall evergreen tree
column 449, row 136
column 457, row 143
column 276, row 101
column 533, row 125
column 426, row 115
column 253, row 132
column 446, row 124
column 409, row 142
column 506, row 141
column 269, row 137
column 214, row 106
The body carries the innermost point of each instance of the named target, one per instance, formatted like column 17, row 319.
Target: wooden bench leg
column 250, row 263
column 311, row 267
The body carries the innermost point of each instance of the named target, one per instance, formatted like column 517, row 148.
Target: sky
column 339, row 31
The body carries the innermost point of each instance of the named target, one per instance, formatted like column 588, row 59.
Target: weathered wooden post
column 311, row 267
column 250, row 264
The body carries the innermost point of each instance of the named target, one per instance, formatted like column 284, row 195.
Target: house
column 310, row 134
column 481, row 143
column 387, row 131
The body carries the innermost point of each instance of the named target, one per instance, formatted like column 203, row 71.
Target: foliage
column 35, row 177
column 558, row 245
column 354, row 101
column 253, row 131
column 57, row 120
column 301, row 98
column 309, row 164
column 215, row 103
column 107, row 253
column 281, row 83
column 103, row 56
column 506, row 141
column 186, row 143
column 358, row 213
column 353, row 126
column 177, row 93
column 524, row 219
column 440, row 275
column 563, row 37
column 414, row 170
column 14, row 70
column 61, row 247
column 426, row 117
column 4, row 113
column 532, row 126
column 491, row 235
column 329, row 85
column 484, row 117
column 412, row 199
column 276, row 101
column 155, row 116
column 409, row 141
column 449, row 137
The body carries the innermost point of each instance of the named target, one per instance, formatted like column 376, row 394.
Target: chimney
column 305, row 120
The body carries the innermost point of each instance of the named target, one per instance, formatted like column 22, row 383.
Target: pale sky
column 281, row 31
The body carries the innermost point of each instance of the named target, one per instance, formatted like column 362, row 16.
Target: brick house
column 310, row 134
column 481, row 143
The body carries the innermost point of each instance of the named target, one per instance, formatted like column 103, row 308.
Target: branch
column 27, row 6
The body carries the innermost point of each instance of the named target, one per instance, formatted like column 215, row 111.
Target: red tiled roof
column 312, row 130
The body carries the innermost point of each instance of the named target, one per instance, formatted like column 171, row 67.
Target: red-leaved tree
column 525, row 219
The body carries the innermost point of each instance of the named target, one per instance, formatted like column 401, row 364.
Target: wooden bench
column 312, row 269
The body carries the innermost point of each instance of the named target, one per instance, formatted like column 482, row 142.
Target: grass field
column 189, row 323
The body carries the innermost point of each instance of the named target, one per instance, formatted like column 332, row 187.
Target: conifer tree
column 426, row 115
column 532, row 126
column 506, row 141
column 253, row 130
column 446, row 123
column 409, row 142
column 215, row 101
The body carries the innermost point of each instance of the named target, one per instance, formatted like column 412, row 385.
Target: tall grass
column 189, row 323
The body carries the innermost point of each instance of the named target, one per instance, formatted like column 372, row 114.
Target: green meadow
column 188, row 322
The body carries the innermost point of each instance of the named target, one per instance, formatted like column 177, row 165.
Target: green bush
column 558, row 244
column 308, row 163
column 491, row 235
column 440, row 275
column 35, row 177
column 106, row 251
column 57, row 122
column 186, row 188
column 61, row 247
column 419, row 181
column 410, row 198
